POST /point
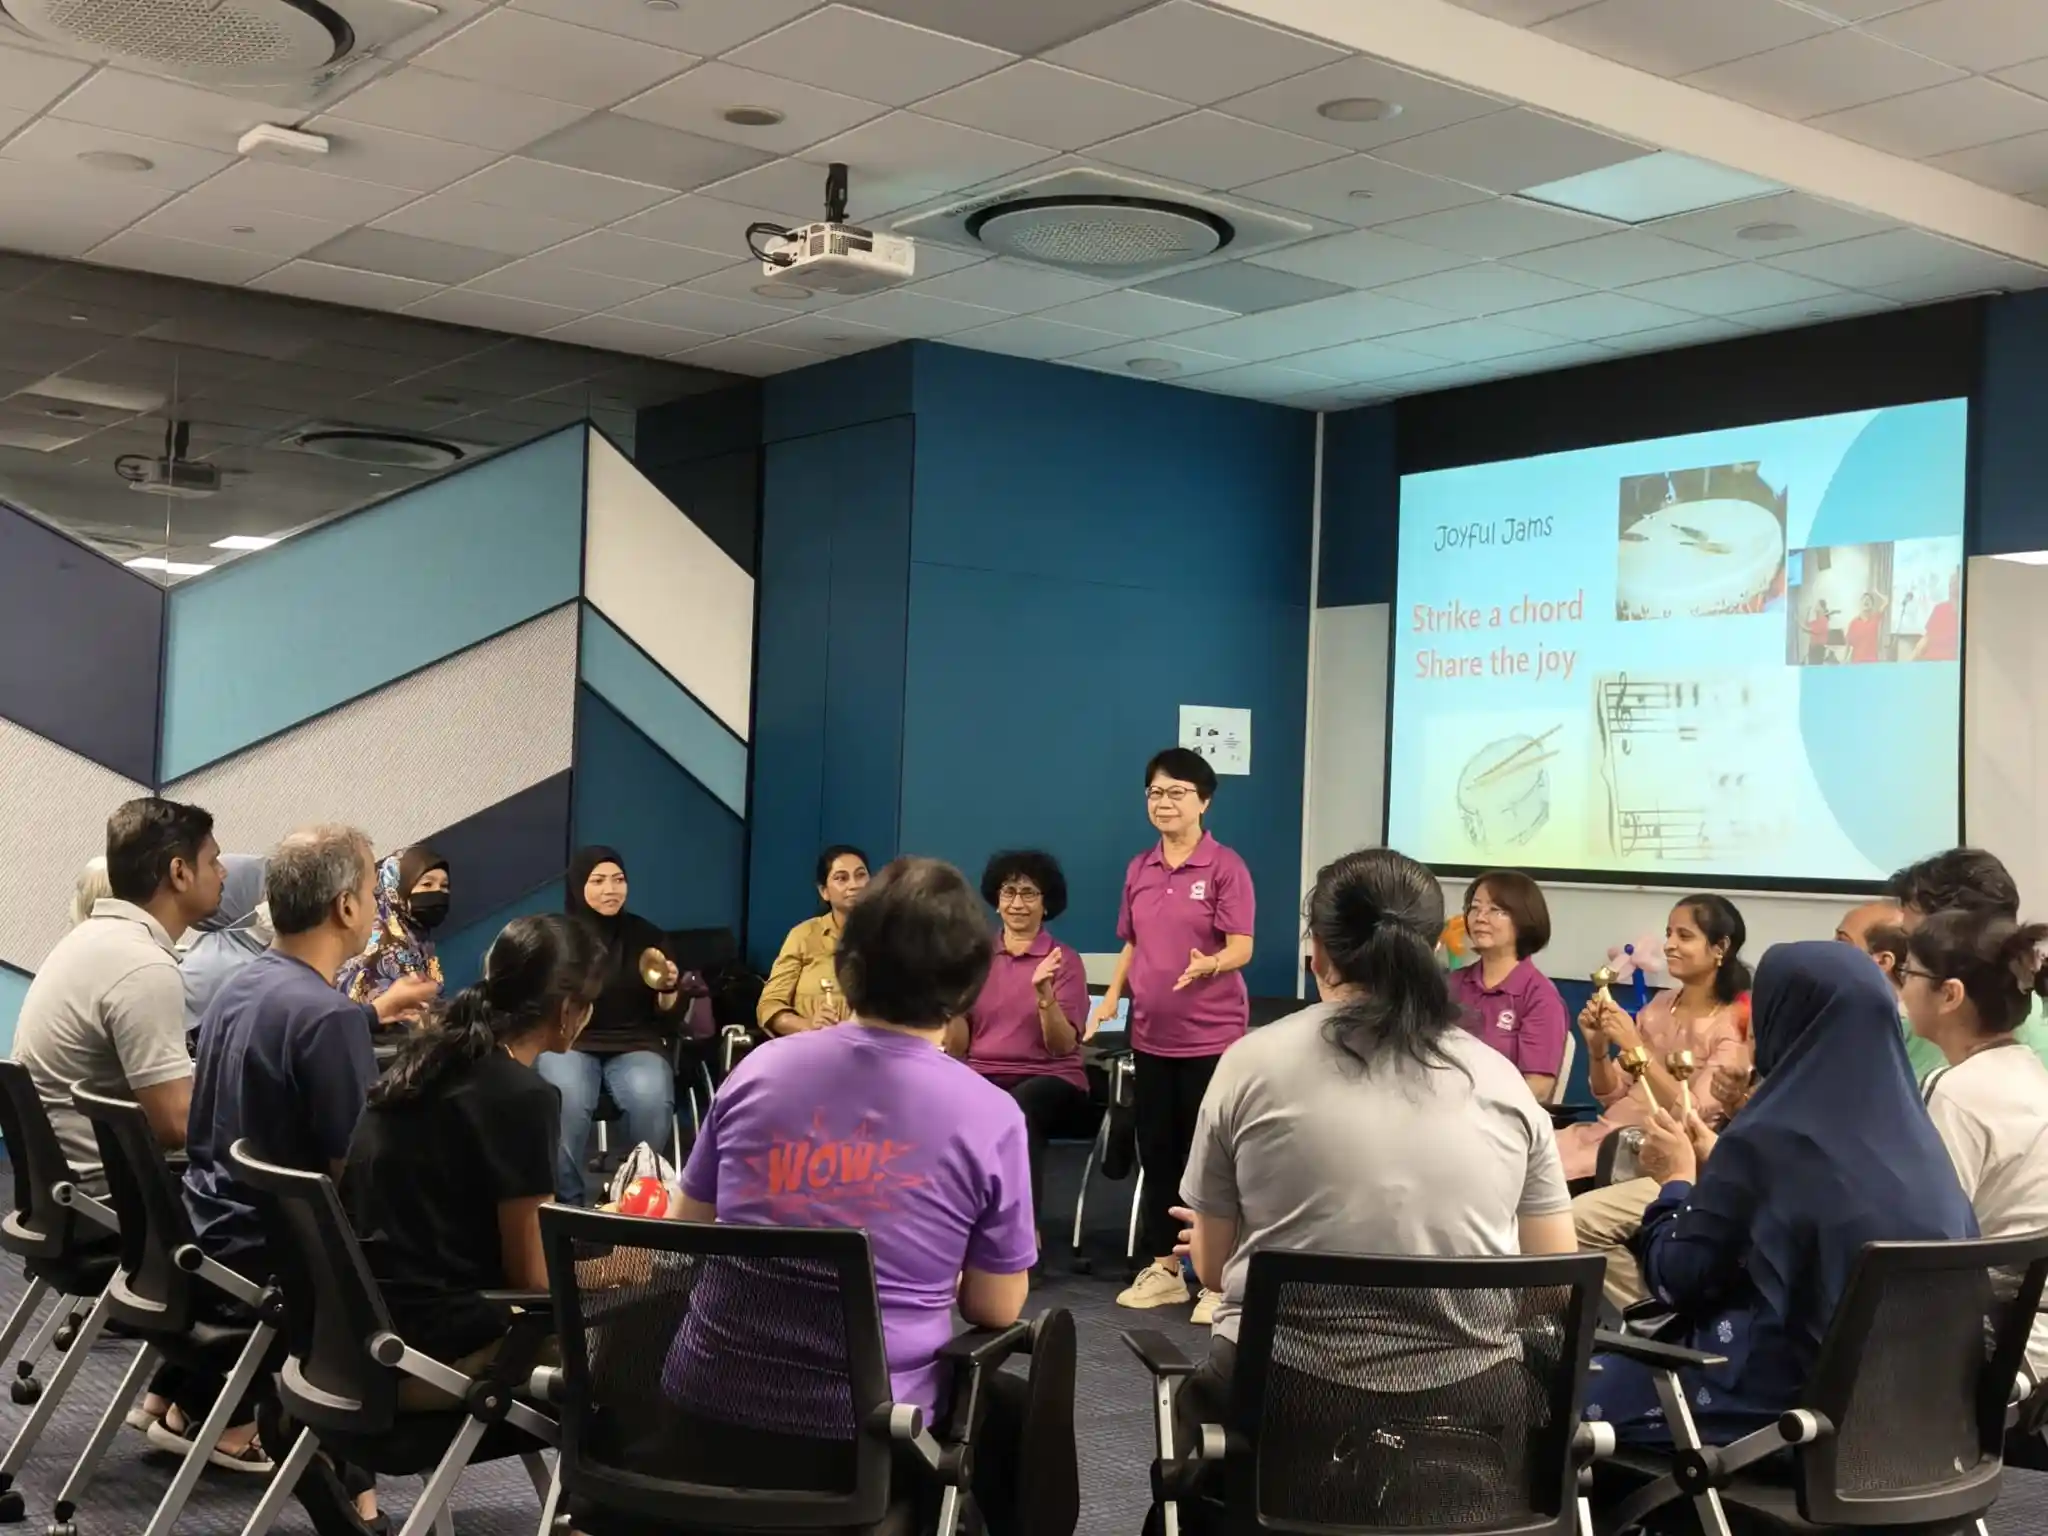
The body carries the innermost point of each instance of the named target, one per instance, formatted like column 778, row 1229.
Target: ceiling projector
column 832, row 256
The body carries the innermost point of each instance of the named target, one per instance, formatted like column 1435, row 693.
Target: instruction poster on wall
column 1223, row 736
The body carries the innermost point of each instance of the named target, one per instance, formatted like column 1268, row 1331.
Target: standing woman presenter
column 1186, row 921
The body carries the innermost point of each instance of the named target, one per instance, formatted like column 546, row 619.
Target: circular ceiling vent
column 398, row 450
column 1100, row 233
column 225, row 42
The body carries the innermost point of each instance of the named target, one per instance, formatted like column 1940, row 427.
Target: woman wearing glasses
column 1504, row 999
column 1186, row 922
column 1024, row 1031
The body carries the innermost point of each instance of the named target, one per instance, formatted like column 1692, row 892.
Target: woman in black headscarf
column 624, row 1050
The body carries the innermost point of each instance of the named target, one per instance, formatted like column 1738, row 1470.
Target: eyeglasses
column 1484, row 909
column 1024, row 893
column 1907, row 970
column 1174, row 792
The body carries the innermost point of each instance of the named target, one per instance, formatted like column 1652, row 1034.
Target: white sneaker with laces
column 1204, row 1314
column 1155, row 1287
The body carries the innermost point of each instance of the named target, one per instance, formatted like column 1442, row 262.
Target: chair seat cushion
column 593, row 1520
column 417, row 1441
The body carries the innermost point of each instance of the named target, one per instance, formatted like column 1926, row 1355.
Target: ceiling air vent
column 374, row 445
column 1099, row 222
column 227, row 44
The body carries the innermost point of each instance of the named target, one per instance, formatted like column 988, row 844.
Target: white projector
column 840, row 258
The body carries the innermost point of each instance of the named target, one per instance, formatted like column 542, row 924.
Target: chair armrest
column 981, row 1347
column 523, row 1301
column 1659, row 1357
column 1161, row 1356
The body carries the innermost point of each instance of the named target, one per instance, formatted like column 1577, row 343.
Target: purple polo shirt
column 1003, row 1035
column 1165, row 915
column 1523, row 1018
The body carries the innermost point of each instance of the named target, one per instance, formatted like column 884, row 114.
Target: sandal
column 251, row 1458
column 172, row 1432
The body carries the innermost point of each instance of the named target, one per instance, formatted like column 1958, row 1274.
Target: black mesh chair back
column 149, row 1291
column 1915, row 1376
column 38, row 1227
column 332, row 1306
column 1409, row 1394
column 718, row 1377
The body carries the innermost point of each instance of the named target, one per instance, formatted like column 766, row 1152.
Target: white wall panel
column 2005, row 726
column 667, row 587
column 1347, row 749
column 55, row 818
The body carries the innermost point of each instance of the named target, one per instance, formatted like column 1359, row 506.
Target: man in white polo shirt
column 107, row 1008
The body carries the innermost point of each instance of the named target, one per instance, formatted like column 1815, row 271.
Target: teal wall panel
column 337, row 612
column 13, row 988
column 623, row 675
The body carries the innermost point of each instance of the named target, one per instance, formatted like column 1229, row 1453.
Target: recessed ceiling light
column 1153, row 367
column 1770, row 229
column 65, row 413
column 662, row 5
column 1360, row 193
column 81, row 318
column 441, row 399
column 777, row 290
column 242, row 229
column 168, row 567
column 243, row 541
column 1359, row 109
column 115, row 160
column 752, row 117
column 1652, row 186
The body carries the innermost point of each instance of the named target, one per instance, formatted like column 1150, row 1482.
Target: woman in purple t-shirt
column 1186, row 923
column 1504, row 999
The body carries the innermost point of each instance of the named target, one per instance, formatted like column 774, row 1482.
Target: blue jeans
column 640, row 1083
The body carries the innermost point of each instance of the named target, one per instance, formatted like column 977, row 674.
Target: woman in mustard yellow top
column 802, row 991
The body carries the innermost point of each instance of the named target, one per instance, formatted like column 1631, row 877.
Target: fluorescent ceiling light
column 243, row 541
column 1651, row 187
column 2026, row 557
column 168, row 567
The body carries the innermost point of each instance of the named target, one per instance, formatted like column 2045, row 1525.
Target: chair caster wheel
column 1083, row 1266
column 25, row 1390
column 66, row 1332
column 13, row 1508
column 61, row 1528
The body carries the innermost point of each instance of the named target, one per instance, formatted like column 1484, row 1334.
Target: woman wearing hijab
column 624, row 1049
column 222, row 944
column 1831, row 1152
column 412, row 901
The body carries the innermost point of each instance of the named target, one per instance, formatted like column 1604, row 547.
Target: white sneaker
column 1204, row 1314
column 1155, row 1287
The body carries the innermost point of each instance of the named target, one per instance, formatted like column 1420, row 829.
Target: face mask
column 427, row 909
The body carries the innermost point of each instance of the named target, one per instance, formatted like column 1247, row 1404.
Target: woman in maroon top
column 1024, row 1031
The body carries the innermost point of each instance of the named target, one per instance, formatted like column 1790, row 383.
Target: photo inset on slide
column 1855, row 604
column 1504, row 791
column 1697, row 543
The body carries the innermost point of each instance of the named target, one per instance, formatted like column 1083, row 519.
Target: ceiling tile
column 1815, row 222
column 521, row 50
column 1896, row 256
column 740, row 280
column 1207, row 149
column 1507, row 151
column 1242, row 289
column 1011, row 286
column 756, row 359
column 904, row 158
column 1360, row 191
column 581, row 197
column 1471, row 341
column 1486, row 289
column 583, row 292
column 430, row 261
column 1499, row 228
column 702, row 27
column 633, row 150
column 907, row 312
column 1130, row 313
column 872, row 57
column 608, row 253
column 31, row 81
column 1616, row 260
column 700, row 312
column 213, row 221
column 1364, row 259
column 1117, row 359
column 1522, row 13
column 1364, row 362
column 704, row 223
column 1948, row 117
column 1676, row 37
column 826, row 334
column 1018, row 28
column 57, row 142
column 394, row 159
column 1424, row 104
column 489, row 311
column 1977, row 35
column 1596, row 316
column 161, row 109
column 1325, row 323
column 2011, row 165
column 1262, row 381
column 1731, row 289
column 182, row 258
column 1823, row 74
column 2018, row 277
column 1044, row 104
column 458, row 221
column 265, row 186
column 1031, row 336
column 615, row 333
column 1193, row 53
column 342, row 285
column 698, row 101
column 2028, row 77
column 1837, row 306
column 416, row 100
column 794, row 190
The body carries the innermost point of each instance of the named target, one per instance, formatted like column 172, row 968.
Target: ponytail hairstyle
column 1997, row 961
column 537, row 967
column 1377, row 914
column 1717, row 919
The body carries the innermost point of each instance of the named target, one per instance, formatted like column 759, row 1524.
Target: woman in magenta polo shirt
column 1505, row 1000
column 1186, row 923
column 1024, row 1031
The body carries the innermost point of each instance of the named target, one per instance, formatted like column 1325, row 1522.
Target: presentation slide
column 1731, row 655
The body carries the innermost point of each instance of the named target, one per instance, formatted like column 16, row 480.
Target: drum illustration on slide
column 1504, row 790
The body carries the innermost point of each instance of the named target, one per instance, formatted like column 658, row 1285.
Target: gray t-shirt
column 1305, row 1150
column 106, row 1009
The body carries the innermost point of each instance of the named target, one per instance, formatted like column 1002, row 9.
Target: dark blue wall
column 2010, row 430
column 1361, row 508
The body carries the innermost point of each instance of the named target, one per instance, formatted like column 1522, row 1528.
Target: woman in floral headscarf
column 412, row 901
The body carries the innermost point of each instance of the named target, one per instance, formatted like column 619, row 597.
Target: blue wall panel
column 462, row 952
column 13, row 988
column 335, row 613
column 845, row 392
column 2012, row 450
column 505, row 850
column 627, row 679
column 1361, row 508
column 685, row 852
column 82, row 640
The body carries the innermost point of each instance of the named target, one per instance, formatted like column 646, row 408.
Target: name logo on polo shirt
column 1506, row 1019
column 1198, row 890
